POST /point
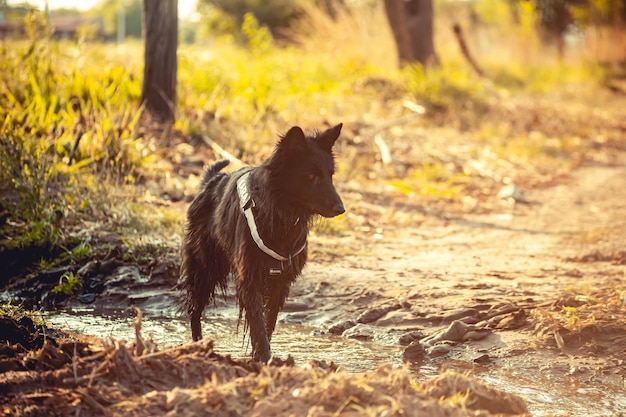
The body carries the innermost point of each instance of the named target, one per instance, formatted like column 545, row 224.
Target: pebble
column 339, row 328
column 438, row 350
column 414, row 352
column 512, row 191
column 360, row 332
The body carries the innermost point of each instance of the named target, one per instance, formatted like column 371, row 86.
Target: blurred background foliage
column 76, row 147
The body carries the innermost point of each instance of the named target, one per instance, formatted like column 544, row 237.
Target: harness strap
column 247, row 203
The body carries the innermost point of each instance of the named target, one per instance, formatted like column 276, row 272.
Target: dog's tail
column 212, row 171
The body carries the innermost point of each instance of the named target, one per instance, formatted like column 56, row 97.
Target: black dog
column 254, row 223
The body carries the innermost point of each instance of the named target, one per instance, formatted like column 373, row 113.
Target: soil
column 531, row 292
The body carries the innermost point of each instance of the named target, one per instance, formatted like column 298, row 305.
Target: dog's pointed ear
column 328, row 137
column 294, row 138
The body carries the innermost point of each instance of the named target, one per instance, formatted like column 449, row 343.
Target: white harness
column 247, row 203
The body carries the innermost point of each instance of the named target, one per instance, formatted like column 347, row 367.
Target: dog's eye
column 313, row 177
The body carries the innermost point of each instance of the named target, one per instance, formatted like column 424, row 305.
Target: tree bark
column 411, row 22
column 394, row 10
column 160, row 25
column 419, row 19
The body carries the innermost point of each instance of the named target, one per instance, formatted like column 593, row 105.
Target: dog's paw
column 264, row 357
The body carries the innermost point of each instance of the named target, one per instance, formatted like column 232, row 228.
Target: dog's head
column 302, row 170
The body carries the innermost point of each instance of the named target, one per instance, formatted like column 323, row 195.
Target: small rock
column 339, row 328
column 438, row 350
column 408, row 338
column 414, row 352
column 96, row 267
column 455, row 331
column 512, row 191
column 87, row 298
column 482, row 359
column 108, row 266
column 94, row 284
column 512, row 321
column 127, row 276
column 89, row 269
column 360, row 332
column 372, row 315
column 162, row 267
column 479, row 334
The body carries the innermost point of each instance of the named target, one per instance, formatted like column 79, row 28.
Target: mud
column 530, row 298
column 119, row 379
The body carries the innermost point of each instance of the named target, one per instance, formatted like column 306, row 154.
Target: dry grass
column 524, row 123
column 361, row 33
column 584, row 315
column 115, row 379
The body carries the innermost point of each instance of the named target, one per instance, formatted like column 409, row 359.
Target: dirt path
column 535, row 293
column 531, row 298
column 524, row 252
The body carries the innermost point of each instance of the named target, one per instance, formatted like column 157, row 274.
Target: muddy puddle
column 300, row 341
column 550, row 394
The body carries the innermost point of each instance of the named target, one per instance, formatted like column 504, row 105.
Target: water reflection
column 545, row 396
column 297, row 340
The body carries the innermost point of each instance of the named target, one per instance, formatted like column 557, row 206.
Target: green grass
column 74, row 147
column 143, row 250
column 69, row 284
column 432, row 181
column 67, row 130
column 16, row 312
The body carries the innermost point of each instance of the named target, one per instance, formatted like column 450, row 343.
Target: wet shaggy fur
column 288, row 189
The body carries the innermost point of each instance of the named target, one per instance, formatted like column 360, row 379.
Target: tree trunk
column 396, row 17
column 158, row 92
column 411, row 22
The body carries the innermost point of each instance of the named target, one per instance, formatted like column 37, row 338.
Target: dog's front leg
column 251, row 300
column 277, row 293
